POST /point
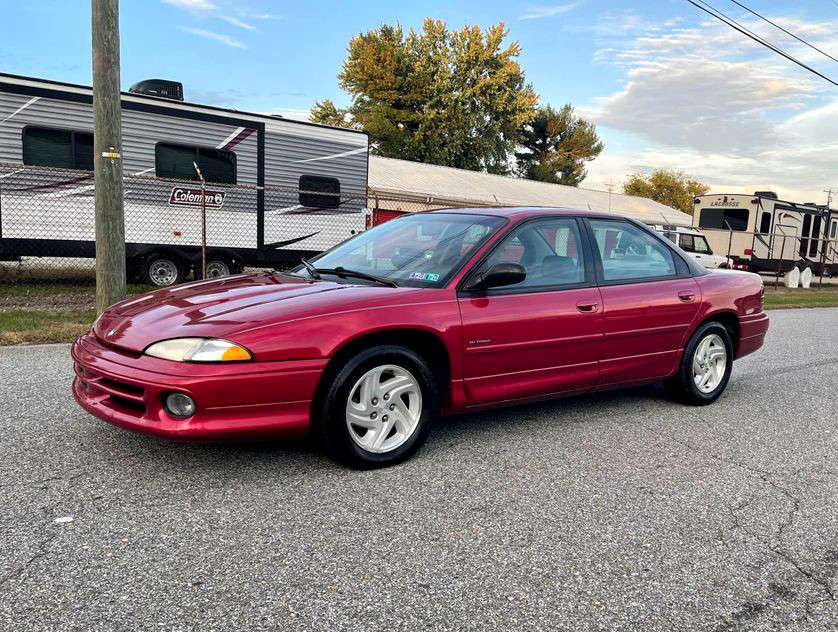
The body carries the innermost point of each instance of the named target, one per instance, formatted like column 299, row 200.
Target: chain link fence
column 47, row 228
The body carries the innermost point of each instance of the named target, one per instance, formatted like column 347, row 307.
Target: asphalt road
column 619, row 511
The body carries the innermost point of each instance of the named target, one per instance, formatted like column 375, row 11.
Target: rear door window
column 629, row 253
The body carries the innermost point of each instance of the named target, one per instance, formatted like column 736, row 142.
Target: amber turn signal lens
column 234, row 354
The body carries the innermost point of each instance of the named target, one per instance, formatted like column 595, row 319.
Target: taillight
column 748, row 251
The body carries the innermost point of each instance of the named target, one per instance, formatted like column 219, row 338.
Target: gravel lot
column 618, row 511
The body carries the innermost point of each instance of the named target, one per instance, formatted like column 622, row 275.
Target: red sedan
column 426, row 315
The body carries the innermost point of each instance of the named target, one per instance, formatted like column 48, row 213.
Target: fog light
column 179, row 405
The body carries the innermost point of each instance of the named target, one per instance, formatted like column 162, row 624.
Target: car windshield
column 417, row 250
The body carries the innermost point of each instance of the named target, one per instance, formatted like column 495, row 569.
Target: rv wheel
column 163, row 270
column 217, row 267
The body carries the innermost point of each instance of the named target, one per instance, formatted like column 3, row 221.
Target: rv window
column 175, row 161
column 57, row 148
column 736, row 218
column 816, row 236
column 319, row 192
column 765, row 223
column 834, row 230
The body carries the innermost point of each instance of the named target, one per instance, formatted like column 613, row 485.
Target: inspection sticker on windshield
column 424, row 276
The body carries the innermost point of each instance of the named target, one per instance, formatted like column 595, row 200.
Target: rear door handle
column 687, row 297
column 587, row 308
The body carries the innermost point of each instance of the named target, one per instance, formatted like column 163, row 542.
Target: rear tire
column 217, row 267
column 378, row 407
column 705, row 367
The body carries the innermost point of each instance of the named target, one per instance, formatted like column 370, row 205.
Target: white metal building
column 396, row 185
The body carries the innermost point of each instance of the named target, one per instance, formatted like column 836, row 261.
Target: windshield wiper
column 312, row 271
column 343, row 273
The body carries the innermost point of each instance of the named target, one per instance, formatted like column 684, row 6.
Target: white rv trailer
column 277, row 189
column 762, row 233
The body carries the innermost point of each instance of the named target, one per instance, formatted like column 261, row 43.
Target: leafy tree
column 555, row 146
column 328, row 113
column 455, row 98
column 666, row 186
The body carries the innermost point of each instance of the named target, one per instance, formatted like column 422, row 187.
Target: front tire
column 378, row 408
column 163, row 270
column 705, row 367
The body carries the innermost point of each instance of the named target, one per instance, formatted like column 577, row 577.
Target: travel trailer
column 276, row 189
column 762, row 233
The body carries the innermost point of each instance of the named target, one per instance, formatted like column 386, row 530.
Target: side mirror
column 500, row 275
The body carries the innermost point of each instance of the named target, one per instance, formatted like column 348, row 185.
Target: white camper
column 276, row 189
column 763, row 233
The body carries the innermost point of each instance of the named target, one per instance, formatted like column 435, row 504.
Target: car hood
column 225, row 307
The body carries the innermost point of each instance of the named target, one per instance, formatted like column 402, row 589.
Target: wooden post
column 107, row 156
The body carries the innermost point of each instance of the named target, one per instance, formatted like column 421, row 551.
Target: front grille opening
column 128, row 389
column 127, row 406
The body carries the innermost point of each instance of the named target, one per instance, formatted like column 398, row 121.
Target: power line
column 786, row 31
column 738, row 27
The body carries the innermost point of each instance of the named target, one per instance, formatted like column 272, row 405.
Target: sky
column 666, row 85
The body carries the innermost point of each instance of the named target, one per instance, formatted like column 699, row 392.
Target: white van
column 695, row 243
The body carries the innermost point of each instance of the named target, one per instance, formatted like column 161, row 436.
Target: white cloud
column 217, row 37
column 710, row 102
column 192, row 5
column 237, row 22
column 292, row 114
column 547, row 11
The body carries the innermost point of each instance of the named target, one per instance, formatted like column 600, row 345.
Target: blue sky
column 666, row 85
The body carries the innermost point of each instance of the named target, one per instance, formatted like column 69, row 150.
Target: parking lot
column 614, row 511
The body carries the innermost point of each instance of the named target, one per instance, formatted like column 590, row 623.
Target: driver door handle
column 587, row 307
column 687, row 297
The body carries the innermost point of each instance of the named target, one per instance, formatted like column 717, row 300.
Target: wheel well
column 424, row 343
column 143, row 257
column 729, row 321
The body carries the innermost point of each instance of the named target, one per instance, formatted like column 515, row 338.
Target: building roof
column 403, row 177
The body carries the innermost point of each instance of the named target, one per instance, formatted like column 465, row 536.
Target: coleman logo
column 187, row 196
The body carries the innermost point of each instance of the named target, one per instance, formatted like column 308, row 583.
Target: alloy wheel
column 709, row 363
column 384, row 408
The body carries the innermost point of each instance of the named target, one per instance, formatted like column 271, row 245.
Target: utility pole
column 830, row 193
column 107, row 156
column 610, row 185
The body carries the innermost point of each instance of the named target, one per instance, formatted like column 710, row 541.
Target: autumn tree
column 555, row 146
column 455, row 98
column 666, row 186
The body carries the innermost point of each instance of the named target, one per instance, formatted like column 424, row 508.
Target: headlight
column 198, row 350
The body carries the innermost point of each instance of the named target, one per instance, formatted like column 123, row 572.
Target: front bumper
column 240, row 401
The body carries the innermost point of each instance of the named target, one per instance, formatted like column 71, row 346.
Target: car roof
column 520, row 212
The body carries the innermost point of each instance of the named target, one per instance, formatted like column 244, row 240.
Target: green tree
column 455, row 98
column 555, row 146
column 327, row 113
column 666, row 186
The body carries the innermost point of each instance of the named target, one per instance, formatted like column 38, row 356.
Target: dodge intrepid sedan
column 430, row 314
